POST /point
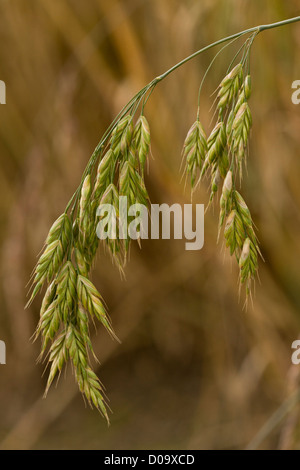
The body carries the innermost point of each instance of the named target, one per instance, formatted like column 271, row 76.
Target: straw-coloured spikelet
column 216, row 144
column 88, row 382
column 229, row 87
column 121, row 136
column 85, row 240
column 248, row 264
column 234, row 231
column 48, row 297
column 215, row 181
column 247, row 219
column 49, row 261
column 194, row 150
column 60, row 230
column 70, row 345
column 131, row 186
column 241, row 239
column 240, row 131
column 141, row 139
column 84, row 210
column 66, row 291
column 111, row 196
column 58, row 356
column 112, row 224
column 49, row 324
column 225, row 200
column 239, row 122
column 83, row 326
column 248, row 261
column 247, row 87
column 105, row 174
column 218, row 172
column 82, row 265
column 56, row 246
column 92, row 302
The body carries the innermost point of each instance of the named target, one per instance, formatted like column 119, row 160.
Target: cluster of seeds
column 221, row 156
column 71, row 300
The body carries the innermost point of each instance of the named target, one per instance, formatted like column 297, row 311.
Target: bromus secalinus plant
column 116, row 168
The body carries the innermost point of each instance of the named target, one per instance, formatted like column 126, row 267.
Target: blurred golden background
column 194, row 370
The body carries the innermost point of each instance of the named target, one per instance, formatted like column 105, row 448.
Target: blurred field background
column 194, row 370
